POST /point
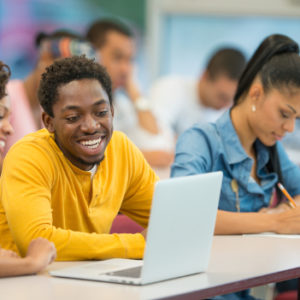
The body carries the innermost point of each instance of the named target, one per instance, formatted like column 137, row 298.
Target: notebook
column 179, row 237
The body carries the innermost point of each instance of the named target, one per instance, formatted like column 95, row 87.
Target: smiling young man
column 67, row 182
column 83, row 141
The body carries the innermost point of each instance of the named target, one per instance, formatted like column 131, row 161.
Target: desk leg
column 298, row 296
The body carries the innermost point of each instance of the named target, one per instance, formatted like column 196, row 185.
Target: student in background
column 26, row 109
column 181, row 101
column 244, row 143
column 115, row 44
column 40, row 251
column 68, row 182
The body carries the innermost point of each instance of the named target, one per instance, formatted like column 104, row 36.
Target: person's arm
column 156, row 145
column 26, row 186
column 194, row 155
column 287, row 222
column 138, row 198
column 146, row 118
column 281, row 219
column 40, row 254
column 159, row 158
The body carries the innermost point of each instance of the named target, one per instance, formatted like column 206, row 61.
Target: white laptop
column 179, row 238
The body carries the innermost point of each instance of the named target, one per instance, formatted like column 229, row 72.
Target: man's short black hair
column 65, row 70
column 97, row 32
column 226, row 61
column 4, row 77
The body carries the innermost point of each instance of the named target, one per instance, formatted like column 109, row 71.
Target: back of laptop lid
column 181, row 226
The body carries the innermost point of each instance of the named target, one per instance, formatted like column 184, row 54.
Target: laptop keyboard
column 132, row 272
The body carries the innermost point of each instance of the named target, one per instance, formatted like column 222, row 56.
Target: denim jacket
column 216, row 147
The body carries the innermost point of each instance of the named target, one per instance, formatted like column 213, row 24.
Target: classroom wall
column 188, row 41
column 181, row 35
column 20, row 20
column 174, row 36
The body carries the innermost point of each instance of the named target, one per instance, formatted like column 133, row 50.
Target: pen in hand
column 287, row 195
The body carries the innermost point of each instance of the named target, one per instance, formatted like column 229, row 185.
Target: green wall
column 132, row 10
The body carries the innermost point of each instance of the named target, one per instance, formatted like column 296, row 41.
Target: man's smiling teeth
column 91, row 143
column 2, row 144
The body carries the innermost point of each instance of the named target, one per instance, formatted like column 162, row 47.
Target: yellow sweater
column 44, row 194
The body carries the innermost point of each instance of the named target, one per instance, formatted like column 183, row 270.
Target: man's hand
column 132, row 90
column 146, row 119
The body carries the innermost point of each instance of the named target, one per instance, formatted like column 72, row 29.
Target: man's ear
column 48, row 122
column 205, row 76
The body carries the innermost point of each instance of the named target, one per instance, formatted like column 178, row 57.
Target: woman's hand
column 283, row 206
column 288, row 221
column 8, row 253
column 40, row 254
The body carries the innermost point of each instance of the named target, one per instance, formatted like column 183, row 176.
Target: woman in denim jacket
column 244, row 143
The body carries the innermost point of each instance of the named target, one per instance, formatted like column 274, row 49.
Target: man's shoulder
column 118, row 136
column 119, row 140
column 32, row 143
column 121, row 148
column 40, row 136
column 33, row 153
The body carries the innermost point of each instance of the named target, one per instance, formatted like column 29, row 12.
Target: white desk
column 237, row 262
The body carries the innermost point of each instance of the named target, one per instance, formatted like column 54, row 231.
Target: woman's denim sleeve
column 193, row 153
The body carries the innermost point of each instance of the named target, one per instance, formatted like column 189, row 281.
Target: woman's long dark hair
column 277, row 63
